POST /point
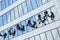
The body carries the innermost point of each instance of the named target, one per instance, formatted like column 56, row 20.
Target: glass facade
column 21, row 9
column 41, row 19
column 5, row 3
column 32, row 23
column 49, row 35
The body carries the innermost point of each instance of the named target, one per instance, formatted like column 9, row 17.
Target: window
column 36, row 17
column 24, row 24
column 18, row 31
column 7, row 3
column 3, row 4
column 14, row 29
column 12, row 15
column 42, row 14
column 55, row 35
column 26, row 39
column 33, row 22
column 37, row 37
column 38, row 20
column 8, row 17
column 33, row 18
column 29, row 6
column 10, row 2
column 20, row 10
column 28, row 27
column 34, row 5
column 1, row 21
column 14, row 1
column 11, row 29
column 43, row 36
column 49, row 35
column 32, row 38
column 16, row 12
column 4, row 19
column 39, row 2
column 0, row 6
column 54, row 10
column 49, row 19
column 44, row 1
column 24, row 7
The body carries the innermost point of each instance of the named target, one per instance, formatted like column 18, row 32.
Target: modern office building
column 29, row 19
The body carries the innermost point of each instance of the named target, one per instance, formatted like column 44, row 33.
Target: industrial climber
column 46, row 15
column 12, row 32
column 41, row 20
column 20, row 28
column 34, row 24
column 52, row 16
column 3, row 35
column 31, row 25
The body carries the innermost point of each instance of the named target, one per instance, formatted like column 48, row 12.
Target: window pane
column 3, row 4
column 37, row 37
column 32, row 38
column 39, row 2
column 7, row 3
column 44, row 1
column 33, row 18
column 4, row 19
column 0, row 6
column 8, row 17
column 49, row 19
column 10, row 2
column 12, row 15
column 0, row 20
column 43, row 37
column 34, row 4
column 26, row 39
column 38, row 24
column 14, row 29
column 32, row 21
column 54, row 10
column 24, row 24
column 18, row 31
column 28, row 27
column 16, row 12
column 24, row 7
column 55, row 35
column 29, row 6
column 11, row 29
column 14, row 1
column 49, row 36
column 20, row 10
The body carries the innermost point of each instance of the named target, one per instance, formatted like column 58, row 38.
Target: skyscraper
column 29, row 20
